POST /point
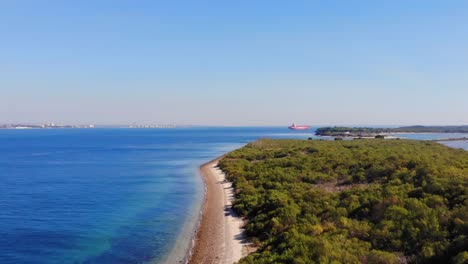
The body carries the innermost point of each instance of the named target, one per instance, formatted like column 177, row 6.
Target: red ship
column 295, row 127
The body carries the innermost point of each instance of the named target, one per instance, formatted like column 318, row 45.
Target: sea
column 113, row 195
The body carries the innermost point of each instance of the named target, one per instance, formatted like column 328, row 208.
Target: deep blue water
column 107, row 195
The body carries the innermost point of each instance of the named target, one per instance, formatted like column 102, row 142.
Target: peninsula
column 371, row 201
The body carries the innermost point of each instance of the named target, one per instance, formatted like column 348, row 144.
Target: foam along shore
column 220, row 237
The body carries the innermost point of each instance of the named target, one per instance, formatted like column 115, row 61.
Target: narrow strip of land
column 451, row 139
column 220, row 238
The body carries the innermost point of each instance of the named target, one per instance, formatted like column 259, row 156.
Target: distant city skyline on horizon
column 246, row 63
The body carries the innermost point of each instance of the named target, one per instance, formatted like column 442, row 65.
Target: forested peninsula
column 364, row 201
column 359, row 131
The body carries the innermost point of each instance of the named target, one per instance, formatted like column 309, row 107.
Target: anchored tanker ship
column 296, row 127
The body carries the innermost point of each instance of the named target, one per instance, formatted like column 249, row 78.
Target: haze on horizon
column 234, row 63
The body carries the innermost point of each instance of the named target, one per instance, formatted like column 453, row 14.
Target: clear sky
column 234, row 62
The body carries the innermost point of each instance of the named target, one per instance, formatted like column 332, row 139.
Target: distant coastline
column 60, row 126
column 372, row 131
column 43, row 126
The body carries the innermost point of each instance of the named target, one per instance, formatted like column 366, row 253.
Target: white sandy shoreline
column 220, row 238
column 234, row 234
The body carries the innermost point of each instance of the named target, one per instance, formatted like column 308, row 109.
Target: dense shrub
column 366, row 201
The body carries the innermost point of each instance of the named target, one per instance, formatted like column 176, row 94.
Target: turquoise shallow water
column 107, row 195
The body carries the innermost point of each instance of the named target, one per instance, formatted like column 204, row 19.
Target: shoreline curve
column 220, row 237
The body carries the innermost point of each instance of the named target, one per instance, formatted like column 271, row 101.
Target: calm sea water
column 108, row 195
column 431, row 136
column 105, row 195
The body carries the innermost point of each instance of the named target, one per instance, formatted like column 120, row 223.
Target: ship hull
column 299, row 127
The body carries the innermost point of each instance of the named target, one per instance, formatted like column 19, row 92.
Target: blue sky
column 234, row 62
